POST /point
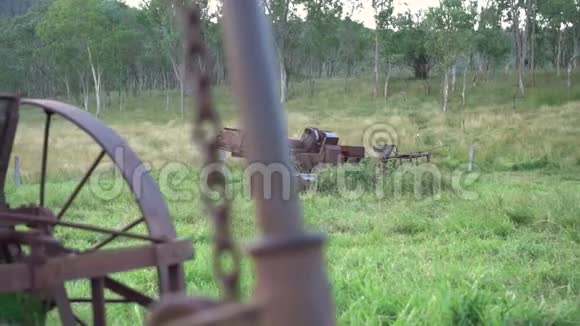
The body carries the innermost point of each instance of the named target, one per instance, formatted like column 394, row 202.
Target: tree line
column 108, row 50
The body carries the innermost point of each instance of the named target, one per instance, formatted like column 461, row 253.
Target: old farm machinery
column 318, row 148
column 291, row 287
column 35, row 262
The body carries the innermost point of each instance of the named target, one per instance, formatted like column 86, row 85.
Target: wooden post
column 470, row 160
column 17, row 179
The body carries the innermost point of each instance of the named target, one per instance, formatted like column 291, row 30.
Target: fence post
column 17, row 180
column 470, row 160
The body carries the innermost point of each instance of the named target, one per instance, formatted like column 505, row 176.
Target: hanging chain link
column 206, row 126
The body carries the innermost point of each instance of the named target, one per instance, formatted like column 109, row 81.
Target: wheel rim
column 148, row 198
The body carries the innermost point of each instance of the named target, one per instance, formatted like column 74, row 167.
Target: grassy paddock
column 506, row 254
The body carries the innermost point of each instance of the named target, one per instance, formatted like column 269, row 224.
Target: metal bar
column 89, row 300
column 112, row 237
column 98, row 302
column 64, row 309
column 127, row 292
column 9, row 110
column 40, row 220
column 44, row 157
column 100, row 263
column 80, row 321
column 288, row 300
column 80, row 186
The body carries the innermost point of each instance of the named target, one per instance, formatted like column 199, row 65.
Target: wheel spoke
column 67, row 317
column 79, row 321
column 25, row 219
column 80, row 186
column 112, row 237
column 44, row 157
column 127, row 292
column 89, row 300
column 98, row 302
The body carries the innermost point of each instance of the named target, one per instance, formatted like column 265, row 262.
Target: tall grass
column 507, row 254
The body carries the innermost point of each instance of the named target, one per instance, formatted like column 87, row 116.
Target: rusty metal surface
column 8, row 123
column 55, row 270
column 37, row 263
column 318, row 148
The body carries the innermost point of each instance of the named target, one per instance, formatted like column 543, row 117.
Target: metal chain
column 207, row 125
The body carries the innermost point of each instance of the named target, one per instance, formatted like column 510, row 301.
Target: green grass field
column 504, row 249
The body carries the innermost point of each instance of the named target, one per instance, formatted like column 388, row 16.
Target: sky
column 366, row 14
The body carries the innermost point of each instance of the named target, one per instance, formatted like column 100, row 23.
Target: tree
column 281, row 12
column 73, row 27
column 491, row 41
column 559, row 15
column 411, row 38
column 451, row 32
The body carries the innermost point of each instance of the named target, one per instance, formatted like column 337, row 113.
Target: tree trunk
column 571, row 67
column 464, row 89
column 283, row 79
column 376, row 88
column 453, row 78
column 533, row 53
column 85, row 91
column 96, row 72
column 387, row 80
column 576, row 46
column 518, row 42
column 67, row 86
column 166, row 88
column 446, row 90
column 559, row 53
column 180, row 77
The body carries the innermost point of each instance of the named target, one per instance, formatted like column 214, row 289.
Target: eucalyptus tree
column 560, row 16
column 491, row 41
column 383, row 13
column 281, row 14
column 385, row 26
column 71, row 28
column 319, row 38
column 411, row 38
column 451, row 27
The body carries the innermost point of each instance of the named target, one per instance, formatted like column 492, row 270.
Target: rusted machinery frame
column 291, row 281
column 147, row 195
column 57, row 270
column 7, row 139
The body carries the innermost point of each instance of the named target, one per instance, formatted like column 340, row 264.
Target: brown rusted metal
column 315, row 148
column 35, row 262
column 8, row 123
column 318, row 148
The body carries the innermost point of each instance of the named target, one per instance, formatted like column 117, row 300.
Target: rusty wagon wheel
column 35, row 261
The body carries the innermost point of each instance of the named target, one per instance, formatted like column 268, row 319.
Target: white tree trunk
column 376, row 88
column 283, row 79
column 96, row 72
column 166, row 87
column 559, row 53
column 180, row 77
column 387, row 81
column 446, row 90
column 85, row 91
column 576, row 47
column 464, row 89
column 67, row 85
column 571, row 67
column 453, row 78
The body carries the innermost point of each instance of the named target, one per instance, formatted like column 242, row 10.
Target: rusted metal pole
column 291, row 281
